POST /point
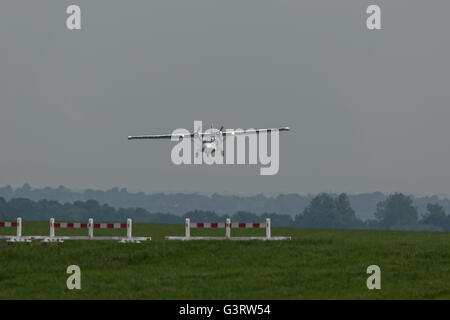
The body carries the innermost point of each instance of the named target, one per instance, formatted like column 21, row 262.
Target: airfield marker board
column 18, row 237
column 228, row 226
column 91, row 226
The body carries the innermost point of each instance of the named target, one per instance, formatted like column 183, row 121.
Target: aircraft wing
column 200, row 134
column 252, row 131
column 161, row 136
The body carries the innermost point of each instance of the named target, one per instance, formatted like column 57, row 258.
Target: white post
column 19, row 227
column 188, row 228
column 129, row 226
column 228, row 228
column 91, row 228
column 52, row 227
column 268, row 235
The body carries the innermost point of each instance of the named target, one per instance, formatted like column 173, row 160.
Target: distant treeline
column 364, row 204
column 326, row 211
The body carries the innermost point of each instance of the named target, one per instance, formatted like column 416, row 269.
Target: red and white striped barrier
column 228, row 225
column 18, row 226
column 18, row 237
column 91, row 226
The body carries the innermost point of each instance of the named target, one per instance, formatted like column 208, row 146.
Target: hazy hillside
column 179, row 203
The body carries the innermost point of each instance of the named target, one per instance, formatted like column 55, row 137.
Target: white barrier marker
column 228, row 226
column 91, row 226
column 19, row 236
column 19, row 227
column 52, row 227
column 188, row 228
column 228, row 229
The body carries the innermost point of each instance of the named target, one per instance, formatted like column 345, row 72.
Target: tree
column 277, row 220
column 396, row 212
column 344, row 209
column 436, row 216
column 201, row 216
column 7, row 212
column 243, row 216
column 3, row 209
column 324, row 211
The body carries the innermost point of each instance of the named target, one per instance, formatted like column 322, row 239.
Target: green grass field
column 316, row 264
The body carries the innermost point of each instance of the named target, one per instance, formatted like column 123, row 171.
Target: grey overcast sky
column 369, row 110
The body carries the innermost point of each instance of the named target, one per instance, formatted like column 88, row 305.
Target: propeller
column 198, row 139
column 218, row 133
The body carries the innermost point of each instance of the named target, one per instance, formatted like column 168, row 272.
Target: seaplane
column 210, row 139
